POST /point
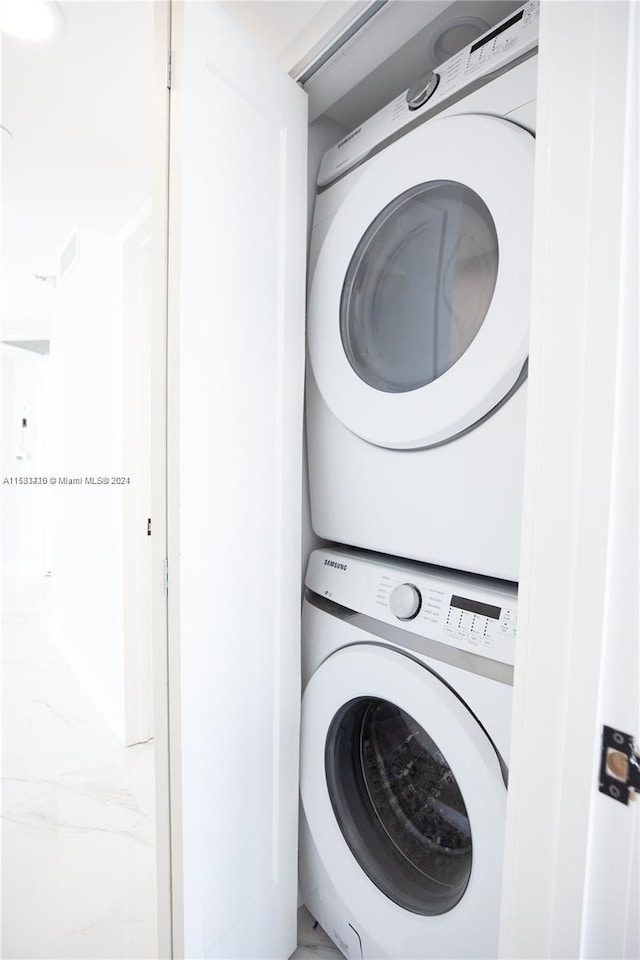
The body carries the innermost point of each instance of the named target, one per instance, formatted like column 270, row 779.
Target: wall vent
column 68, row 256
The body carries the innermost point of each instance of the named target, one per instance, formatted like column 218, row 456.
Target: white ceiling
column 273, row 24
column 289, row 29
column 78, row 109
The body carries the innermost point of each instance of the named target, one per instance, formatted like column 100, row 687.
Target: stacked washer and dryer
column 418, row 330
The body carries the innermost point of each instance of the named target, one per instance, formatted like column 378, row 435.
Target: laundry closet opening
column 421, row 173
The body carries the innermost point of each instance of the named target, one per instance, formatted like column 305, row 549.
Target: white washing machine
column 405, row 741
column 418, row 318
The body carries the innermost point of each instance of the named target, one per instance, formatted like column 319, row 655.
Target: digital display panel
column 475, row 606
column 498, row 30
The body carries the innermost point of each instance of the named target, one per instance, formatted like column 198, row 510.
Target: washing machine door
column 404, row 797
column 419, row 300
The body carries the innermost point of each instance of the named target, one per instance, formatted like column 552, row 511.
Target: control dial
column 423, row 88
column 405, row 601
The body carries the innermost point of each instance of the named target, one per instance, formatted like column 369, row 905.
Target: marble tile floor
column 78, row 833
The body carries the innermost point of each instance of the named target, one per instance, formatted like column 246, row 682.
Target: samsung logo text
column 350, row 137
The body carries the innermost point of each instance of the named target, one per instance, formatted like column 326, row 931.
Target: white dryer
column 418, row 318
column 405, row 740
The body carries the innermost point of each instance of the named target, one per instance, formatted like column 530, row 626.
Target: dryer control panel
column 509, row 40
column 473, row 613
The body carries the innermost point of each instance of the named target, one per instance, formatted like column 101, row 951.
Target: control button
column 405, row 601
column 423, row 88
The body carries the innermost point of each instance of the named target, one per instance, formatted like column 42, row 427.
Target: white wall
column 24, row 396
column 86, row 441
column 323, row 134
column 136, row 426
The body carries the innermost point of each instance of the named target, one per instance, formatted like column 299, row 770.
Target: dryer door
column 404, row 798
column 419, row 301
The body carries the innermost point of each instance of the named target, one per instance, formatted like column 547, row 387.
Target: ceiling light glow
column 35, row 20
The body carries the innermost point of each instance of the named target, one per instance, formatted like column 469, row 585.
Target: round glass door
column 418, row 318
column 419, row 286
column 399, row 806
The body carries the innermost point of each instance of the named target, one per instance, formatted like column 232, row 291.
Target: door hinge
column 149, row 527
column 619, row 765
column 168, row 69
column 166, row 577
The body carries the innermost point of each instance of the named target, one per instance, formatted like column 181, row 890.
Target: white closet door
column 236, row 330
column 572, row 865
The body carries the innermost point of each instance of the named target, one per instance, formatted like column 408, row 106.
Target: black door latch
column 619, row 766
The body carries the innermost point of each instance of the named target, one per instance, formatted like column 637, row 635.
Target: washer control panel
column 472, row 613
column 510, row 39
column 479, row 624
